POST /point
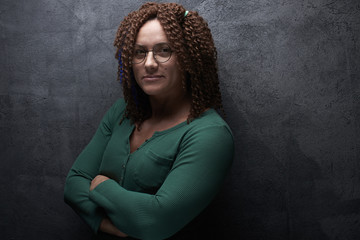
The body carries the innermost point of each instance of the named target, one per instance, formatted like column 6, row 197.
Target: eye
column 139, row 53
column 162, row 50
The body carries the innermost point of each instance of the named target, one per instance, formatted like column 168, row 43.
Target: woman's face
column 156, row 79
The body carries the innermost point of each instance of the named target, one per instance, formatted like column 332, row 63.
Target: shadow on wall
column 279, row 197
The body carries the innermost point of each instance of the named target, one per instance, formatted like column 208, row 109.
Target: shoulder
column 119, row 104
column 115, row 112
column 117, row 108
column 208, row 137
column 208, row 122
column 208, row 128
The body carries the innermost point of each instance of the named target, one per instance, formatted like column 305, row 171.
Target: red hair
column 191, row 40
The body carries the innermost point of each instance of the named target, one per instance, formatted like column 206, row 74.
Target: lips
column 152, row 77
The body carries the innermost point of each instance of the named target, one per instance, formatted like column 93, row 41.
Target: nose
column 150, row 62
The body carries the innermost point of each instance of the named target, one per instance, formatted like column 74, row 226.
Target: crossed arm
column 106, row 225
column 193, row 181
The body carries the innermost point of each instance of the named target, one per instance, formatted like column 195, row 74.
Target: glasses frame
column 154, row 53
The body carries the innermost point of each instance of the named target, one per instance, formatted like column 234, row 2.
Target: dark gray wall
column 290, row 79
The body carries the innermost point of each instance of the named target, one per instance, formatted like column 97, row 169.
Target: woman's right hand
column 97, row 180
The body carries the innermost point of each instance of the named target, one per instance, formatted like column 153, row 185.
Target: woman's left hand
column 97, row 180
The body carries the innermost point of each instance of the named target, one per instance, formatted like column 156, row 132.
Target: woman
column 160, row 155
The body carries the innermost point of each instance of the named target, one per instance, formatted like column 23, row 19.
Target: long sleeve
column 86, row 167
column 198, row 171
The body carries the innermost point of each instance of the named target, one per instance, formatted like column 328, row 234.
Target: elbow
column 73, row 189
column 68, row 193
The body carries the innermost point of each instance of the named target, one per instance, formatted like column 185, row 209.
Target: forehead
column 151, row 33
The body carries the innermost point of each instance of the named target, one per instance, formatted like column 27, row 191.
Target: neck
column 167, row 108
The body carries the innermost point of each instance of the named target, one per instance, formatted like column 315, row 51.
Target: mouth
column 152, row 77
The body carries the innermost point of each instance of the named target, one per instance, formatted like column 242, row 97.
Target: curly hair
column 190, row 38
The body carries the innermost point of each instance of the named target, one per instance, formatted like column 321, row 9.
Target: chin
column 152, row 91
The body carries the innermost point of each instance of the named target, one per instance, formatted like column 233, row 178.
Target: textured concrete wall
column 290, row 79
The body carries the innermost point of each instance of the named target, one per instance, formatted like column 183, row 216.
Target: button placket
column 124, row 170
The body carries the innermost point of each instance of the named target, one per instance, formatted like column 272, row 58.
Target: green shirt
column 159, row 188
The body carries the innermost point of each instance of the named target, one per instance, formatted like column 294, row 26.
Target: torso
column 148, row 128
column 137, row 138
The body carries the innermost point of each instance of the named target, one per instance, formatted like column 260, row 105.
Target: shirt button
column 123, row 166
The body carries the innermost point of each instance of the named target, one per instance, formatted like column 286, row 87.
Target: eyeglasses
column 161, row 53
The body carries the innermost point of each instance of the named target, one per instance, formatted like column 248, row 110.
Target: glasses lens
column 162, row 52
column 139, row 54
